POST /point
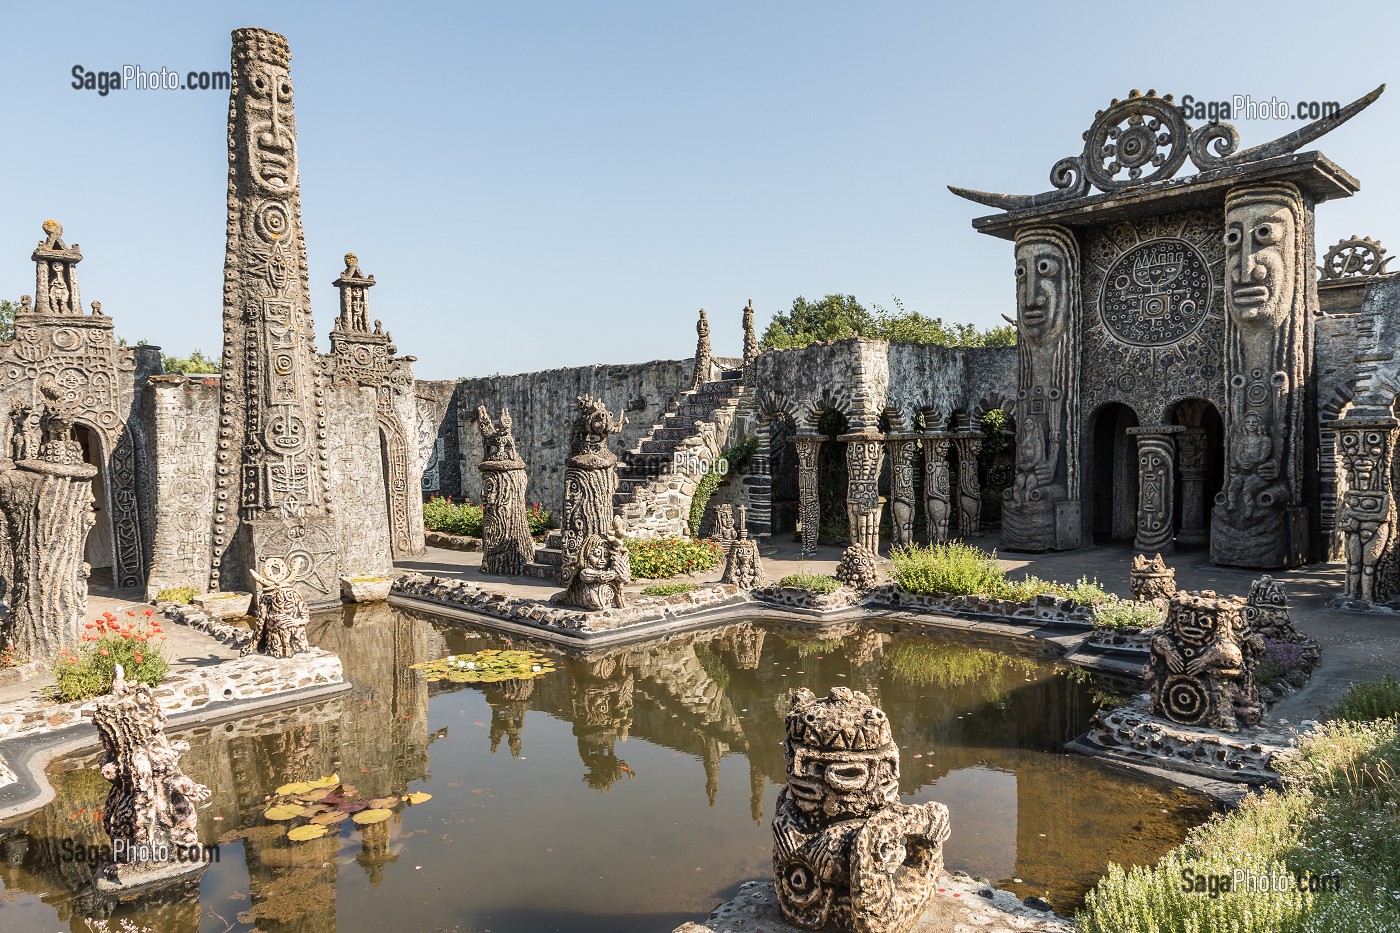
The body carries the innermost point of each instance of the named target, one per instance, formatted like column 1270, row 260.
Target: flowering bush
column 452, row 518
column 1126, row 613
column 1278, row 659
column 108, row 641
column 654, row 558
column 539, row 520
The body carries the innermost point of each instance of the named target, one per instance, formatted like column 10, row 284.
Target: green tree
column 835, row 317
column 7, row 319
column 905, row 326
column 193, row 365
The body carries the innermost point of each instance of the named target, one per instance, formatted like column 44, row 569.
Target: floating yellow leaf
column 297, row 787
column 331, row 781
column 417, row 797
column 366, row 817
column 309, row 831
column 329, row 819
column 384, row 803
column 284, row 811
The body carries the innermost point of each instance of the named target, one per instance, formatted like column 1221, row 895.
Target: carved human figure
column 603, row 570
column 150, row 814
column 58, row 290
column 507, row 545
column 902, row 490
column 938, row 495
column 702, row 352
column 742, row 565
column 1366, row 527
column 847, row 854
column 1197, row 672
column 865, row 454
column 590, row 480
column 969, row 488
column 1151, row 580
column 724, row 533
column 282, row 613
column 1047, row 324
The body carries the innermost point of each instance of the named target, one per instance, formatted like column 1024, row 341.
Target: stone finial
column 702, row 352
column 97, row 309
column 839, row 820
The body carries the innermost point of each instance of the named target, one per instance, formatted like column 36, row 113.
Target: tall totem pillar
column 506, row 544
column 1041, row 507
column 902, row 449
column 750, row 345
column 1156, row 487
column 272, row 498
column 865, row 455
column 590, row 481
column 1260, row 519
column 701, row 374
column 809, row 509
column 969, row 445
column 1365, row 447
column 938, row 493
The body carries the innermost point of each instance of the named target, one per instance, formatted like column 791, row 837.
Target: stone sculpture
column 282, row 613
column 1259, row 519
column 969, row 445
column 902, row 450
column 808, row 446
column 590, row 481
column 46, row 506
column 750, row 345
column 1152, row 581
column 1200, row 673
column 150, row 812
column 938, row 494
column 601, row 571
column 742, row 565
column 1365, row 448
column 702, row 352
column 847, row 854
column 506, row 544
column 865, row 454
column 724, row 533
column 1354, row 258
column 1266, row 611
column 272, row 494
column 1040, row 511
column 859, row 568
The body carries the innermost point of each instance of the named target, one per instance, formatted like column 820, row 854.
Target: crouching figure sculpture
column 847, row 855
column 282, row 613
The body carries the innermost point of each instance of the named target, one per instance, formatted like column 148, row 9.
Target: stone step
column 554, row 557
column 658, row 445
column 541, row 571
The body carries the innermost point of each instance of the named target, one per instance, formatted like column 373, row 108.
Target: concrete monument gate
column 1169, row 322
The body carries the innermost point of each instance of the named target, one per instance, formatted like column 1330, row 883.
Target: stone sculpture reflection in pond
column 847, row 854
column 1200, row 672
column 150, row 812
column 602, row 570
column 282, row 613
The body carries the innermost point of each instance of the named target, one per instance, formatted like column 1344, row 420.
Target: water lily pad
column 284, row 811
column 316, row 794
column 296, row 787
column 367, row 817
column 308, row 831
column 417, row 797
column 383, row 803
column 330, row 819
column 488, row 666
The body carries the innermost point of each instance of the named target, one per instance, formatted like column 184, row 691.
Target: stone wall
column 181, row 415
column 357, row 481
column 436, row 402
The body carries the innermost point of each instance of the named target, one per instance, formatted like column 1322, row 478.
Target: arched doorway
column 98, row 551
column 1200, row 473
column 1113, row 477
column 782, row 470
column 835, row 526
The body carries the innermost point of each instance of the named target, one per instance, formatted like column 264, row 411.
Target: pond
column 628, row 789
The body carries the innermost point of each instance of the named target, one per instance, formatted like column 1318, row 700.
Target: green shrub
column 177, row 594
column 956, row 568
column 539, row 520
column 1085, row 591
column 811, row 582
column 657, row 558
column 1126, row 613
column 1378, row 699
column 734, row 458
column 452, row 518
column 667, row 589
column 108, row 641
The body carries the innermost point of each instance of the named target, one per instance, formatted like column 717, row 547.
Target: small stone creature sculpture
column 1200, row 672
column 858, row 569
column 1151, row 580
column 847, row 855
column 742, row 565
column 1266, row 611
column 150, row 812
column 603, row 570
column 282, row 613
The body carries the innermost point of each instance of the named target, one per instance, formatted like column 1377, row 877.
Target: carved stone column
column 506, row 544
column 1191, row 459
column 1367, row 515
column 969, row 445
column 902, row 450
column 808, row 503
column 590, row 482
column 750, row 344
column 1156, row 487
column 702, row 352
column 865, row 455
column 938, row 495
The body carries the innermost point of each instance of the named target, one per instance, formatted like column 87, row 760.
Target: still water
column 627, row 790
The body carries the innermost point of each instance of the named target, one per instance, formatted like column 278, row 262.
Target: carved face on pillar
column 267, row 128
column 1261, row 249
column 1042, row 287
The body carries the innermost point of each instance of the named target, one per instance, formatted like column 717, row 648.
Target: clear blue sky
column 537, row 185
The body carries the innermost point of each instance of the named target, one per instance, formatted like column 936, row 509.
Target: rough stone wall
column 180, row 418
column 357, row 481
column 542, row 408
column 436, row 431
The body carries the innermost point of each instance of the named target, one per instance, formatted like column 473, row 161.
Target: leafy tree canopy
column 837, row 317
column 193, row 365
column 7, row 318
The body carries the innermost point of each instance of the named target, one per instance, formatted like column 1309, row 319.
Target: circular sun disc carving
column 1135, row 141
column 1185, row 700
column 1156, row 293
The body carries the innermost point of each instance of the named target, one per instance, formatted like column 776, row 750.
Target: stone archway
column 99, row 552
column 1112, row 477
column 1200, row 473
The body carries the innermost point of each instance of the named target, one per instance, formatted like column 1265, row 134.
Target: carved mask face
column 1193, row 626
column 269, row 128
column 1042, row 292
column 837, row 785
column 598, row 557
column 1260, row 241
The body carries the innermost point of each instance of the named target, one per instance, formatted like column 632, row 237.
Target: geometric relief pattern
column 1154, row 313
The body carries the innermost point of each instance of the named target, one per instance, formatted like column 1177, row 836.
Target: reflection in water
column 597, row 818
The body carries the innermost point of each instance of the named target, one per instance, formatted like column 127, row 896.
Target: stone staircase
column 653, row 497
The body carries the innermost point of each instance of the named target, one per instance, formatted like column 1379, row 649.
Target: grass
column 1335, row 817
column 1379, row 699
column 464, row 518
column 177, row 594
column 667, row 589
column 811, row 582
